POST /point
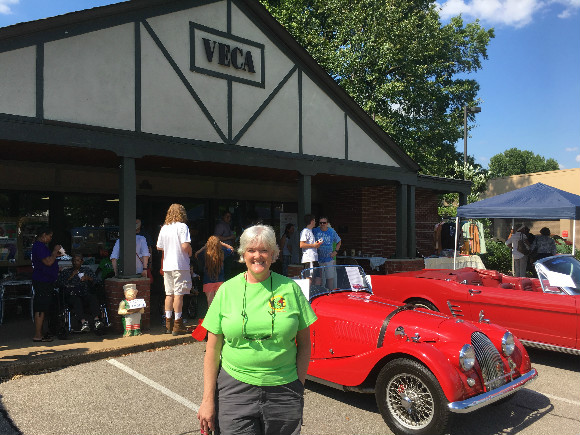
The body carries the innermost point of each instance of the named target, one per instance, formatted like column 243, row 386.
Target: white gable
column 183, row 78
column 90, row 78
column 18, row 82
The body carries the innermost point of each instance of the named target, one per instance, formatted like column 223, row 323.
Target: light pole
column 467, row 109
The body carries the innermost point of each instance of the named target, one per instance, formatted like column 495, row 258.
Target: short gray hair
column 259, row 235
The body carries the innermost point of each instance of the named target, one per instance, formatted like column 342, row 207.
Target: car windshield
column 330, row 279
column 560, row 271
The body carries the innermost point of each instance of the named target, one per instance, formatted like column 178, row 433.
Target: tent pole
column 512, row 245
column 456, row 235
column 574, row 238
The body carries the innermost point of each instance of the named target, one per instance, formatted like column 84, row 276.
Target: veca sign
column 226, row 56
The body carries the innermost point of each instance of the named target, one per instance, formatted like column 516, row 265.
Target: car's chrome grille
column 489, row 360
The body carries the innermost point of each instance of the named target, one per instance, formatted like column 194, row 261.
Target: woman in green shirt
column 258, row 346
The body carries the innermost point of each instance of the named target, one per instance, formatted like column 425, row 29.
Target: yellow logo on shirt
column 278, row 303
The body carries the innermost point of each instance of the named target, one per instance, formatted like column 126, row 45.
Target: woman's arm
column 303, row 353
column 206, row 414
column 49, row 261
column 225, row 245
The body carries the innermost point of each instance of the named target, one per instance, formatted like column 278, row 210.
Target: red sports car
column 422, row 366
column 543, row 312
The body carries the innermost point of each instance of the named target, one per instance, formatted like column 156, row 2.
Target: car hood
column 350, row 310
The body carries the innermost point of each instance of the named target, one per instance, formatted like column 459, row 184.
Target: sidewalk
column 20, row 355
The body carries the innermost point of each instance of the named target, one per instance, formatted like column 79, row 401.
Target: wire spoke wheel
column 410, row 401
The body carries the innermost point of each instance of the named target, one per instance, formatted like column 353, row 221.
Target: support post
column 411, row 227
column 127, row 217
column 304, row 197
column 402, row 220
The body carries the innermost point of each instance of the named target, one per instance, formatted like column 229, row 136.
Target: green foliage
column 567, row 249
column 498, row 256
column 449, row 202
column 516, row 162
column 400, row 64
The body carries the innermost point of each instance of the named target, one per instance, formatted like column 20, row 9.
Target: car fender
column 396, row 288
column 353, row 371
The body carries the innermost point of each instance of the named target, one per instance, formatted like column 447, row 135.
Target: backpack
column 523, row 247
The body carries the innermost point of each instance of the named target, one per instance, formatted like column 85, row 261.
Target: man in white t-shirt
column 308, row 243
column 175, row 242
column 141, row 255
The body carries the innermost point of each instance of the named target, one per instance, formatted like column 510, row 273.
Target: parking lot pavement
column 158, row 392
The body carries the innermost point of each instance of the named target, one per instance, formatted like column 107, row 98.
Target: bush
column 567, row 249
column 498, row 256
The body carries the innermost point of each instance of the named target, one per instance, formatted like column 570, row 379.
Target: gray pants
column 252, row 410
column 520, row 266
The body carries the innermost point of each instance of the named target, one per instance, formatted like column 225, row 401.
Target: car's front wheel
column 410, row 399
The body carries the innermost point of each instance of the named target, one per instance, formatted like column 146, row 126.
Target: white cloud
column 578, row 158
column 516, row 13
column 572, row 149
column 5, row 6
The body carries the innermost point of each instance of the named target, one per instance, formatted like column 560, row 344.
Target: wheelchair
column 67, row 321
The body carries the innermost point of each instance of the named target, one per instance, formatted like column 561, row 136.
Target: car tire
column 410, row 399
column 422, row 303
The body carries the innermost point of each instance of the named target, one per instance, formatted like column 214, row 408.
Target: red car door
column 530, row 315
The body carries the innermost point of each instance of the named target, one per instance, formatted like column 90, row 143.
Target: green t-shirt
column 264, row 362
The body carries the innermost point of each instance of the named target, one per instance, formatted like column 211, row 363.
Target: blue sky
column 530, row 84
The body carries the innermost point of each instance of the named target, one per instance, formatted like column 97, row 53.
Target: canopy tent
column 535, row 202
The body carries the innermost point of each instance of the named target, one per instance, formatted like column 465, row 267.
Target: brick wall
column 365, row 218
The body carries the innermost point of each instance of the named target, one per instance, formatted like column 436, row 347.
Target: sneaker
column 85, row 327
column 99, row 325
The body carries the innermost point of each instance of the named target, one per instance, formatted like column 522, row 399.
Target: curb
column 61, row 361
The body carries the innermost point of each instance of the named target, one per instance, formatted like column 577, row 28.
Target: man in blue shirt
column 329, row 248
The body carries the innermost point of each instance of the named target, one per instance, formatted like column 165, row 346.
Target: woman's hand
column 206, row 416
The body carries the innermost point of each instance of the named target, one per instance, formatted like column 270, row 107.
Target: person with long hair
column 212, row 263
column 175, row 242
column 258, row 347
column 286, row 247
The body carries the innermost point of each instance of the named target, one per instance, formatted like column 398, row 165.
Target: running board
column 545, row 346
column 365, row 390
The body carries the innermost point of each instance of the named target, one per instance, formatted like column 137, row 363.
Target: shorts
column 211, row 287
column 253, row 410
column 177, row 282
column 44, row 296
column 330, row 272
column 309, row 265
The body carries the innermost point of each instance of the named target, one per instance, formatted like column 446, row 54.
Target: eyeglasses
column 322, row 223
column 245, row 316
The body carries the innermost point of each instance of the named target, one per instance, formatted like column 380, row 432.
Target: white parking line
column 155, row 385
column 561, row 399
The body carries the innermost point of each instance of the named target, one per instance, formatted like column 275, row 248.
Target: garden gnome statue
column 131, row 316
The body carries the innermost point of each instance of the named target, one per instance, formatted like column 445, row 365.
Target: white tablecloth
column 461, row 261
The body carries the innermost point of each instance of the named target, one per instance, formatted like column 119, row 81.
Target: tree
column 478, row 176
column 400, row 64
column 516, row 162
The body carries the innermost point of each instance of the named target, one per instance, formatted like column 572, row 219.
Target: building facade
column 565, row 179
column 115, row 112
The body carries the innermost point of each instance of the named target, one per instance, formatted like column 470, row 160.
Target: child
column 212, row 264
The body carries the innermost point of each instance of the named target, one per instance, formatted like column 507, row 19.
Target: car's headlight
column 508, row 344
column 467, row 357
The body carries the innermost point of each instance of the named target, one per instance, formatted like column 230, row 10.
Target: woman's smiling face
column 258, row 261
